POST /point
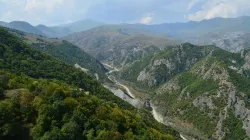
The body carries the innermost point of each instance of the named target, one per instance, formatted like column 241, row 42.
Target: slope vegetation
column 63, row 51
column 44, row 98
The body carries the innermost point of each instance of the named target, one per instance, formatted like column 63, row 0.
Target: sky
column 56, row 12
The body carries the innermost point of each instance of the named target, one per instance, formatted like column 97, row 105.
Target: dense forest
column 44, row 98
column 63, row 51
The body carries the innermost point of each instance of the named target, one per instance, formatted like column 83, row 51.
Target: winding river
column 129, row 96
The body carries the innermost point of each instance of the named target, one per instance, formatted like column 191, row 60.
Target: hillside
column 44, row 98
column 114, row 46
column 65, row 52
column 202, row 91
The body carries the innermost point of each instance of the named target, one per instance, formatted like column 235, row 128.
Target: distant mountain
column 83, row 25
column 46, row 30
column 215, row 25
column 198, row 32
column 61, row 31
column 116, row 46
column 25, row 27
column 234, row 41
column 54, row 31
column 4, row 24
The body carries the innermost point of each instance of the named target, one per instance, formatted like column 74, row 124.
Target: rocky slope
column 234, row 41
column 114, row 46
column 202, row 91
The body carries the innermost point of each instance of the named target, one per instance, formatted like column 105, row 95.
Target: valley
column 196, row 82
column 129, row 97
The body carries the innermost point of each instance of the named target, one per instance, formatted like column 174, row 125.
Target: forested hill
column 63, row 51
column 46, row 99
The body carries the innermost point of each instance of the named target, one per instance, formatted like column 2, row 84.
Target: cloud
column 6, row 15
column 220, row 8
column 54, row 12
column 47, row 5
column 192, row 3
column 147, row 19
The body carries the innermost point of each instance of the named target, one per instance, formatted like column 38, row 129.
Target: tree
column 1, row 92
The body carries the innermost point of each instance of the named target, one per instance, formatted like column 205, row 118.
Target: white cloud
column 147, row 19
column 12, row 2
column 6, row 15
column 47, row 5
column 192, row 3
column 220, row 8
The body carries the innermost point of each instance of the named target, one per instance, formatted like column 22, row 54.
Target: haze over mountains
column 218, row 31
column 54, row 31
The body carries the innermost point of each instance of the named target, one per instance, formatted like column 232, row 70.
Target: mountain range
column 54, row 31
column 122, row 44
column 206, row 32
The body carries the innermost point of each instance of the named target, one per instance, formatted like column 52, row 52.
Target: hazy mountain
column 202, row 91
column 212, row 31
column 4, row 24
column 25, row 27
column 115, row 46
column 46, row 30
column 61, row 31
column 54, row 31
column 215, row 25
column 83, row 25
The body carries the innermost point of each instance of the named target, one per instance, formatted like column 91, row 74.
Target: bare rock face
column 170, row 86
column 204, row 101
column 246, row 66
column 243, row 113
column 234, row 41
column 219, row 134
column 146, row 76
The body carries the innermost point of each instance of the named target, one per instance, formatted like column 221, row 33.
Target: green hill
column 64, row 51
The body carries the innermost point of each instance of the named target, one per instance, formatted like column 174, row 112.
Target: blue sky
column 54, row 12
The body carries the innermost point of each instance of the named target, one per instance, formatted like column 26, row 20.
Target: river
column 130, row 98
